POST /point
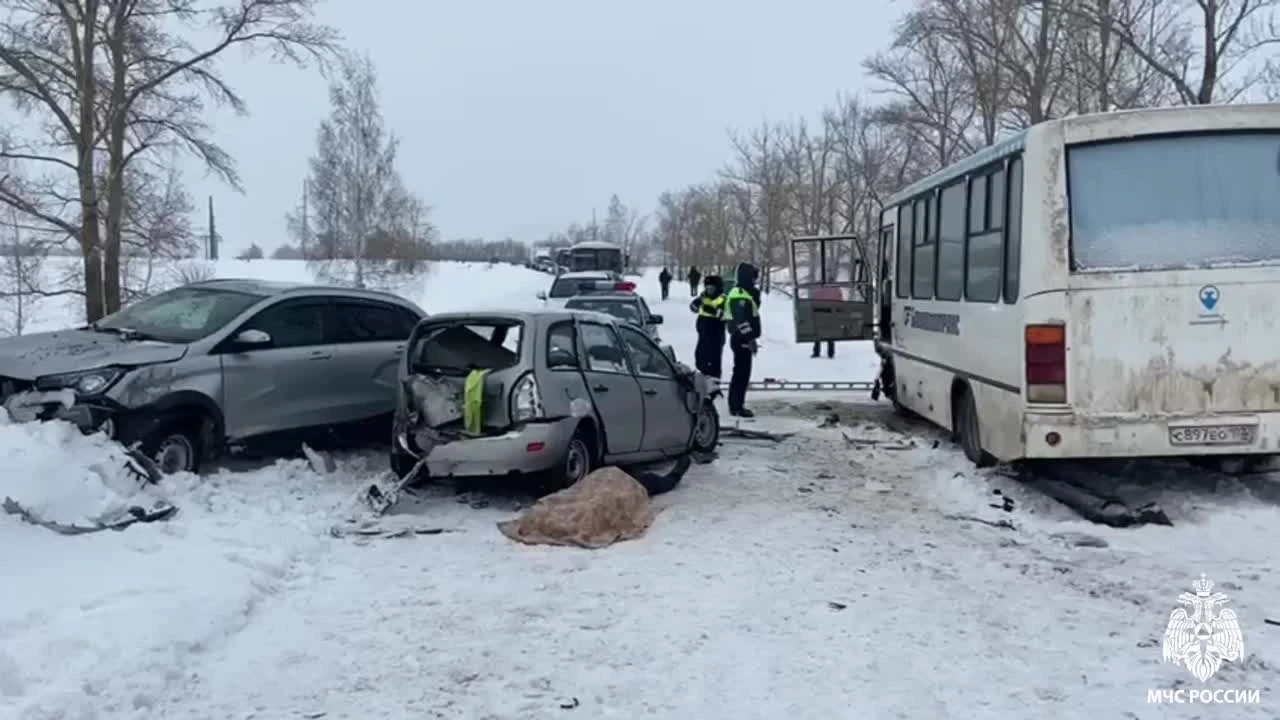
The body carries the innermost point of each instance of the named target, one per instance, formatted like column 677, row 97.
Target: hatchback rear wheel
column 576, row 464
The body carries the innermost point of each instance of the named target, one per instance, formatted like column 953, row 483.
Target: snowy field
column 862, row 571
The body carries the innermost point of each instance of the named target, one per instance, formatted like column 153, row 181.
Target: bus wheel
column 968, row 430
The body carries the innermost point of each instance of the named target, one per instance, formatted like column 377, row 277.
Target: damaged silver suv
column 553, row 392
column 189, row 372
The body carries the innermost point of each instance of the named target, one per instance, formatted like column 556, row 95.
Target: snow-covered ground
column 856, row 571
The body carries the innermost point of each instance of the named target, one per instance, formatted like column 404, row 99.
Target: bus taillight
column 1046, row 348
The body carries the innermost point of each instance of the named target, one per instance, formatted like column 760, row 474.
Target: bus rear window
column 1174, row 202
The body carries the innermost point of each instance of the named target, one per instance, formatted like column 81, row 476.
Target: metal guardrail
column 770, row 384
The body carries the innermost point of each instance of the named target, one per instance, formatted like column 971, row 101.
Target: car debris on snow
column 115, row 521
column 321, row 464
column 881, row 444
column 383, row 531
column 1077, row 539
column 1102, row 509
column 745, row 434
column 1001, row 524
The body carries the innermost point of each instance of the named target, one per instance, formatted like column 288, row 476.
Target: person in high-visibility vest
column 709, row 307
column 742, row 317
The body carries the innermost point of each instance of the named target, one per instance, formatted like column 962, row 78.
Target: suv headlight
column 89, row 382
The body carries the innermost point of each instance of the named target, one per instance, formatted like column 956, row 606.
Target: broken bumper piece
column 530, row 448
column 37, row 405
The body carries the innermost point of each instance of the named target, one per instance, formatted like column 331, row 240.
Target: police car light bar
column 608, row 285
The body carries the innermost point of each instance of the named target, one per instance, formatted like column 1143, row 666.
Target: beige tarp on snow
column 603, row 508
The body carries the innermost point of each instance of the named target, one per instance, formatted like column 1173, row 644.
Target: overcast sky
column 518, row 117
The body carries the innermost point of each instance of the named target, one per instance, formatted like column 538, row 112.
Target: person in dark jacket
column 694, row 277
column 709, row 307
column 664, row 280
column 742, row 316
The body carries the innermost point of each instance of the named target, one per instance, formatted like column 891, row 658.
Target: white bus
column 1098, row 286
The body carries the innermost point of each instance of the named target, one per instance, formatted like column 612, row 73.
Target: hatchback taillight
column 1046, row 361
column 526, row 399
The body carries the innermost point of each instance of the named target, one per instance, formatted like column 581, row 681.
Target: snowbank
column 100, row 625
column 39, row 476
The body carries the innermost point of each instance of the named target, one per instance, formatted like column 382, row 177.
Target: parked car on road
column 581, row 283
column 625, row 306
column 192, row 371
column 555, row 392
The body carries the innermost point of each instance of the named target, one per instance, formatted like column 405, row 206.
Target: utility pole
column 213, row 233
column 306, row 228
column 595, row 231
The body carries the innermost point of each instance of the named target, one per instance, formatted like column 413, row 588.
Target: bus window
column 1164, row 203
column 984, row 254
column 923, row 257
column 1013, row 234
column 951, row 242
column 902, row 272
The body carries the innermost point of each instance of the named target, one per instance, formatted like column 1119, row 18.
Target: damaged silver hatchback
column 553, row 392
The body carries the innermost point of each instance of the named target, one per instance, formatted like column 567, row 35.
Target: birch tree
column 356, row 199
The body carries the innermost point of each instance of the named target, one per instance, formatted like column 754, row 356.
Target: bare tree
column 357, row 204
column 932, row 94
column 1207, row 51
column 625, row 227
column 21, row 273
column 102, row 83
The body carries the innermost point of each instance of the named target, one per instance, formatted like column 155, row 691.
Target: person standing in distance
column 693, row 278
column 709, row 307
column 742, row 315
column 664, row 280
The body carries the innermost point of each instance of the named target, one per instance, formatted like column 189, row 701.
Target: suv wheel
column 175, row 446
column 706, row 431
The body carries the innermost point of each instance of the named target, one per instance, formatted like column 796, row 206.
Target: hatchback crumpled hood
column 67, row 351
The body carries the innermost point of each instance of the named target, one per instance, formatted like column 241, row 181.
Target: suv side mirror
column 671, row 353
column 249, row 339
column 542, row 295
column 655, row 319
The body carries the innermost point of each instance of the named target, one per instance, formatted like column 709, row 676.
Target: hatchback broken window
column 458, row 348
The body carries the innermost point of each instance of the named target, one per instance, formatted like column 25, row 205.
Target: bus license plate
column 1213, row 435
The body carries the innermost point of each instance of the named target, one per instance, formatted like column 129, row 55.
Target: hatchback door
column 668, row 420
column 284, row 386
column 614, row 389
column 370, row 337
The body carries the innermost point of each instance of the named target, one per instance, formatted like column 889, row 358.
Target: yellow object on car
column 473, row 402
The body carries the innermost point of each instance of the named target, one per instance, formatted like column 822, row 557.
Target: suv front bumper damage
column 44, row 405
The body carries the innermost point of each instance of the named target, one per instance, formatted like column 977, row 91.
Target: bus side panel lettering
column 945, row 323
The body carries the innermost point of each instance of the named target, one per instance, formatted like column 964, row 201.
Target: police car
column 584, row 283
column 625, row 306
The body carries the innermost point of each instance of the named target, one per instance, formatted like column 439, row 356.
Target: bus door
column 884, row 285
column 833, row 297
